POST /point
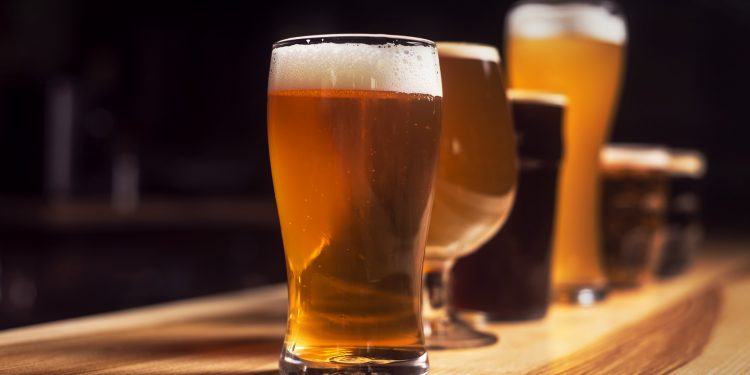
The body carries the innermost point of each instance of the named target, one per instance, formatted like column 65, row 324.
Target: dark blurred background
column 133, row 159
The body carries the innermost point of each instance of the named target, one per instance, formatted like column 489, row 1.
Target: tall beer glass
column 575, row 48
column 475, row 182
column 354, row 133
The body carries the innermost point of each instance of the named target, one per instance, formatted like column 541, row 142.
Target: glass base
column 629, row 284
column 359, row 362
column 507, row 315
column 628, row 277
column 455, row 334
column 581, row 294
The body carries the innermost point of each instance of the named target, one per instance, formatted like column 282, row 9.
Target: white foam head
column 537, row 21
column 538, row 96
column 473, row 51
column 340, row 65
column 687, row 163
column 635, row 157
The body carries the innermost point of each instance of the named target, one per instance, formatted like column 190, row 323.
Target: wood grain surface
column 647, row 347
column 728, row 351
column 698, row 323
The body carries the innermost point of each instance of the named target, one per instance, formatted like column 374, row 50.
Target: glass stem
column 436, row 294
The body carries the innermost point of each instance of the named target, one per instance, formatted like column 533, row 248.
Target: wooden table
column 692, row 324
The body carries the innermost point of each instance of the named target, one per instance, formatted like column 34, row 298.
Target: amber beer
column 475, row 184
column 634, row 205
column 477, row 170
column 353, row 130
column 575, row 49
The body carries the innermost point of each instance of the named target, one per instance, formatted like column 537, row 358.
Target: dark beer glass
column 634, row 203
column 509, row 277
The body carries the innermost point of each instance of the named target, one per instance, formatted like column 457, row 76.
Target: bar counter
column 695, row 323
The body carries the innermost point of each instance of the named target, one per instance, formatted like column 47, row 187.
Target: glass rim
column 469, row 50
column 654, row 157
column 537, row 96
column 371, row 39
column 612, row 6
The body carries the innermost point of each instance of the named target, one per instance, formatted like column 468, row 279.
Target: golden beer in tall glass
column 576, row 49
column 354, row 130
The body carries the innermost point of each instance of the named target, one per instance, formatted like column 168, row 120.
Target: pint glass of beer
column 354, row 132
column 634, row 206
column 575, row 48
column 508, row 278
column 476, row 180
